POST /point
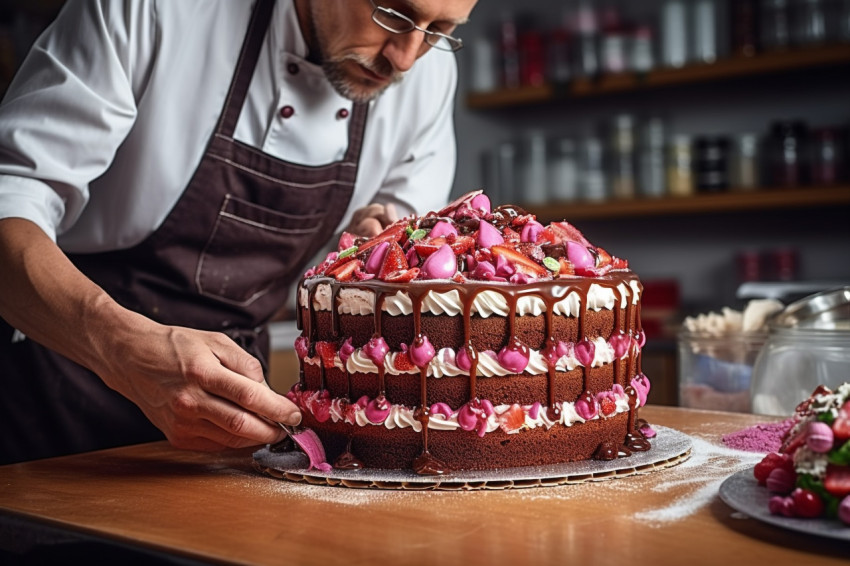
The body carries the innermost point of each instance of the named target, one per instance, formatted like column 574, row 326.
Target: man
column 166, row 169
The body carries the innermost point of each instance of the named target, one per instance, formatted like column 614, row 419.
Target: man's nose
column 404, row 49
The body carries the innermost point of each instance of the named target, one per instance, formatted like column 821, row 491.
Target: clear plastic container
column 715, row 371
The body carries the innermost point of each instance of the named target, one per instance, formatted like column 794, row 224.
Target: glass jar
column 652, row 177
column 786, row 154
column 585, row 47
column 591, row 172
column 745, row 27
column 715, row 372
column 826, row 152
column 533, row 168
column 642, row 59
column 712, row 163
column 680, row 176
column 775, row 25
column 674, row 38
column 808, row 19
column 563, row 170
column 745, row 163
column 704, row 42
column 622, row 157
column 808, row 345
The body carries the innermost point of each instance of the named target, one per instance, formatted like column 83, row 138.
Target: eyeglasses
column 396, row 22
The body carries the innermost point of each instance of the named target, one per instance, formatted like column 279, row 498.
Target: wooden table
column 188, row 506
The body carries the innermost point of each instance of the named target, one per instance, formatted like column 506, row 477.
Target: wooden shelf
column 734, row 201
column 761, row 64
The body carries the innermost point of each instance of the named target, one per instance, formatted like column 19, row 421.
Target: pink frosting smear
column 376, row 350
column 585, row 351
column 309, row 442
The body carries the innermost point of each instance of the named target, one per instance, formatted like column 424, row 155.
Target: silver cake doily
column 669, row 448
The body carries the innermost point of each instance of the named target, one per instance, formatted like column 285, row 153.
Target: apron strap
column 248, row 58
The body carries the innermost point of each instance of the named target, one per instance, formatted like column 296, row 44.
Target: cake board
column 669, row 448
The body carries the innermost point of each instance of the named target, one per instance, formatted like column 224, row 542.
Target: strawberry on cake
column 471, row 338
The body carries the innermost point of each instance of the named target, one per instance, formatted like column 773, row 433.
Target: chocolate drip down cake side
column 469, row 339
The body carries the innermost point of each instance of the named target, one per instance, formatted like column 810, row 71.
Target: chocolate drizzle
column 551, row 292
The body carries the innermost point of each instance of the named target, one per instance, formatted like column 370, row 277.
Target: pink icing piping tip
column 309, row 442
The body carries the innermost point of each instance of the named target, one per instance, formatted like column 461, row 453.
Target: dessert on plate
column 810, row 475
column 471, row 338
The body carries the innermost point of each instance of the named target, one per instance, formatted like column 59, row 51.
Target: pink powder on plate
column 765, row 437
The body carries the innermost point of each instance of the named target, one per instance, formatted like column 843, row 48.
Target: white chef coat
column 109, row 115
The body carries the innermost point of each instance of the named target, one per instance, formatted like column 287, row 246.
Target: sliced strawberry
column 455, row 204
column 346, row 240
column 837, row 480
column 345, row 271
column 458, row 244
column 393, row 233
column 513, row 419
column 327, row 353
column 394, row 260
column 558, row 232
column 401, row 276
column 603, row 258
column 522, row 220
column 511, row 235
column 522, row 263
column 402, row 362
column 619, row 263
column 567, row 268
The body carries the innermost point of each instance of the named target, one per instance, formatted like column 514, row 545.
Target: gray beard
column 342, row 83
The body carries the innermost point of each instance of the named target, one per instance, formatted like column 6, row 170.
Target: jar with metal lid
column 680, row 176
column 712, row 163
column 808, row 345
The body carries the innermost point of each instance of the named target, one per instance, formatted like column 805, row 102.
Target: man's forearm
column 43, row 295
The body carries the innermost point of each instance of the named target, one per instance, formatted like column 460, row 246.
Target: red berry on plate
column 781, row 480
column 807, row 503
column 769, row 463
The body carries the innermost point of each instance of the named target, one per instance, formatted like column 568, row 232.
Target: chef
column 167, row 169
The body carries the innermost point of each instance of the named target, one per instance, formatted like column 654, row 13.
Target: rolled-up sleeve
column 68, row 109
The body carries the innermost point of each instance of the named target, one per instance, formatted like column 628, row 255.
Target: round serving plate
column 742, row 493
column 669, row 447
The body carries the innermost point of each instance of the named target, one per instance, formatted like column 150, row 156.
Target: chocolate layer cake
column 471, row 338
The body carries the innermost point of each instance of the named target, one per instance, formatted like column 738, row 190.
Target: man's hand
column 199, row 388
column 370, row 220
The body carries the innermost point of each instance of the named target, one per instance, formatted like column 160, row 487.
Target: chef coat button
column 287, row 111
column 292, row 68
column 342, row 114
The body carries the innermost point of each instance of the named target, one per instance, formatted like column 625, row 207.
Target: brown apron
column 222, row 260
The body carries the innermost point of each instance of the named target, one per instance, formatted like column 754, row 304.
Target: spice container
column 652, row 176
column 563, row 170
column 786, row 151
column 745, row 163
column 532, row 59
column 622, row 157
column 591, row 173
column 704, row 43
column 826, row 152
column 712, row 163
column 809, row 21
column 674, row 39
column 775, row 25
column 586, row 33
column 533, row 168
column 745, row 27
column 680, row 177
column 642, row 59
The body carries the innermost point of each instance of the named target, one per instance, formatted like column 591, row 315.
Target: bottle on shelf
column 786, row 148
column 711, row 163
column 704, row 39
column 621, row 157
column 680, row 176
column 563, row 170
column 651, row 172
column 674, row 34
column 591, row 170
column 586, row 33
column 745, row 27
column 533, row 167
column 509, row 46
column 745, row 162
column 775, row 25
column 809, row 22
